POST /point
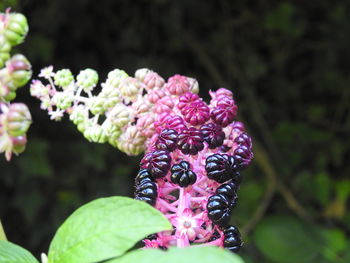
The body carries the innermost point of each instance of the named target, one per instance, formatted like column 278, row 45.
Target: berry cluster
column 195, row 158
column 15, row 72
column 194, row 151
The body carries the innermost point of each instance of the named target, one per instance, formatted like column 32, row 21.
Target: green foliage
column 183, row 255
column 286, row 240
column 8, row 3
column 103, row 229
column 11, row 253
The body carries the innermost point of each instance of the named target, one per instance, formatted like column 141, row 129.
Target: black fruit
column 221, row 167
column 232, row 239
column 182, row 175
column 219, row 209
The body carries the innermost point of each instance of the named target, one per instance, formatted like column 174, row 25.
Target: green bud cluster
column 15, row 72
column 63, row 78
column 13, row 29
column 87, row 79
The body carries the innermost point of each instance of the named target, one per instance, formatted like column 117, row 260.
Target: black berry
column 213, row 135
column 228, row 190
column 146, row 191
column 190, row 141
column 157, row 163
column 221, row 167
column 232, row 239
column 167, row 140
column 219, row 209
column 182, row 175
column 143, row 176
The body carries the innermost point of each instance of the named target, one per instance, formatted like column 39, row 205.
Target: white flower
column 37, row 89
column 47, row 72
column 56, row 115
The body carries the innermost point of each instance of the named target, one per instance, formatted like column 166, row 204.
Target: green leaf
column 2, row 233
column 105, row 228
column 287, row 240
column 177, row 255
column 11, row 253
column 336, row 244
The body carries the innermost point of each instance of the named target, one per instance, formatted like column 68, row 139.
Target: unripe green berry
column 19, row 70
column 79, row 114
column 62, row 100
column 95, row 134
column 18, row 119
column 96, row 105
column 115, row 77
column 17, row 28
column 63, row 78
column 87, row 79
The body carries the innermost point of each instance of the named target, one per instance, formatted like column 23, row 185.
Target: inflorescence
column 194, row 151
column 15, row 72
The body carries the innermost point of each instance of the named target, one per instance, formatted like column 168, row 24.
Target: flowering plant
column 194, row 153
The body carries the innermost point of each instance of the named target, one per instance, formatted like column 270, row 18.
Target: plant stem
column 2, row 233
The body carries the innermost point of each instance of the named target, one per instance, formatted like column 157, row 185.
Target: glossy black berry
column 157, row 163
column 232, row 239
column 228, row 190
column 190, row 141
column 219, row 209
column 167, row 140
column 142, row 176
column 221, row 167
column 213, row 135
column 182, row 175
column 146, row 191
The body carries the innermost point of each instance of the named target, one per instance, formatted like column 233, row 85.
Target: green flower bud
column 87, row 79
column 63, row 100
column 95, row 134
column 113, row 138
column 120, row 115
column 112, row 132
column 115, row 77
column 17, row 28
column 110, row 98
column 79, row 114
column 96, row 105
column 63, row 78
column 18, row 119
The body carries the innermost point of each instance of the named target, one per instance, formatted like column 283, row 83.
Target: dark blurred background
column 288, row 65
